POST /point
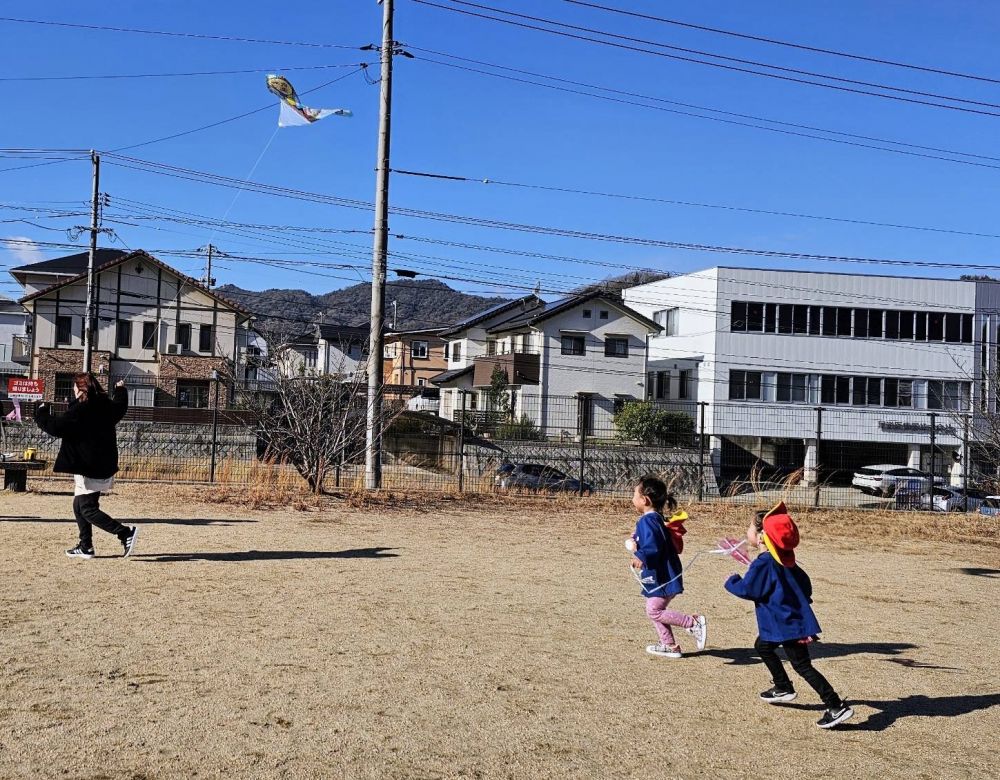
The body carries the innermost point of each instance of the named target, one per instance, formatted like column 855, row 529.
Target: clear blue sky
column 455, row 122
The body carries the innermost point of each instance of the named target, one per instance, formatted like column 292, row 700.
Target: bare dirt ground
column 473, row 639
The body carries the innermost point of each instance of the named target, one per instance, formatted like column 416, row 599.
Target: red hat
column 781, row 536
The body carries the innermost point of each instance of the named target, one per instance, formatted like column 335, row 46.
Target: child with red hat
column 781, row 593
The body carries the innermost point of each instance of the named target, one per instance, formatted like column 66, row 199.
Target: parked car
column 990, row 506
column 428, row 400
column 883, row 479
column 952, row 499
column 535, row 476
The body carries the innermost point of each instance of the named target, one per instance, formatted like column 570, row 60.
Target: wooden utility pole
column 373, row 428
column 90, row 318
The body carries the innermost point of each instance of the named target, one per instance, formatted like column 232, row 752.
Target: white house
column 162, row 331
column 13, row 340
column 766, row 348
column 327, row 348
column 569, row 364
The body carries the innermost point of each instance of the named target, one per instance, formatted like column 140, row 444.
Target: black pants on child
column 88, row 514
column 798, row 656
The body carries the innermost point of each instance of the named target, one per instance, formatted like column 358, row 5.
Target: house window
column 738, row 316
column 63, row 391
column 785, row 318
column 149, row 335
column 491, row 347
column 755, row 317
column 667, row 319
column 573, row 345
column 966, row 328
column 898, row 393
column 603, row 314
column 456, row 351
column 770, row 317
column 867, row 391
column 892, row 324
column 800, row 319
column 418, row 350
column 421, row 382
column 616, row 346
column 791, row 388
column 310, row 355
column 662, row 385
column 947, row 395
column 744, row 385
column 683, row 382
column 935, row 326
column 184, row 336
column 829, row 321
column 192, row 394
column 906, row 325
column 861, row 323
column 64, row 330
column 205, row 339
column 843, row 322
column 921, row 328
column 953, row 327
column 874, row 323
column 124, row 338
column 586, row 314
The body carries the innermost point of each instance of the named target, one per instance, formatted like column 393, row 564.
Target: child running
column 655, row 545
column 781, row 593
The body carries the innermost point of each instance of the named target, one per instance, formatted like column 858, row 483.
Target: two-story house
column 13, row 341
column 330, row 349
column 413, row 357
column 160, row 330
column 568, row 365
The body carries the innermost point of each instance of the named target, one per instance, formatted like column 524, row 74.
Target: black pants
column 88, row 514
column 798, row 655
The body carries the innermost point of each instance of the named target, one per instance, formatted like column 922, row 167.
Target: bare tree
column 309, row 419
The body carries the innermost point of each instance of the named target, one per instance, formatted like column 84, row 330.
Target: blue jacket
column 781, row 596
column 660, row 561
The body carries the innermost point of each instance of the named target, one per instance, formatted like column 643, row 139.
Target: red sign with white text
column 26, row 389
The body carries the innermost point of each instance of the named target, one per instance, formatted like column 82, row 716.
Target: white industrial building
column 878, row 354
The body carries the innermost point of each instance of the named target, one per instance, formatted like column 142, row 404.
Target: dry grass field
column 473, row 638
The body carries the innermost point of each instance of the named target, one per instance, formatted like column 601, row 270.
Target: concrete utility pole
column 209, row 281
column 89, row 317
column 373, row 428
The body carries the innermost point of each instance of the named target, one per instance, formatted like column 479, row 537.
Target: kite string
column 249, row 176
column 697, row 555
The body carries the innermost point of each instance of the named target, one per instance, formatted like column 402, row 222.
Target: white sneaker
column 699, row 631
column 664, row 651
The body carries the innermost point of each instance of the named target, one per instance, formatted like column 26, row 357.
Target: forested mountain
column 419, row 304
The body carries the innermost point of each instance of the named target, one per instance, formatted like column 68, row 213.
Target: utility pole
column 373, row 428
column 89, row 316
column 209, row 281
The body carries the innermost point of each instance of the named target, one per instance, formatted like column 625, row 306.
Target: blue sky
column 454, row 122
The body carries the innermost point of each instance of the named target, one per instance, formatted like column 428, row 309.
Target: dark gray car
column 538, row 477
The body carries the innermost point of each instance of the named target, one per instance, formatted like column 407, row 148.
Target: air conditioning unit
column 173, row 349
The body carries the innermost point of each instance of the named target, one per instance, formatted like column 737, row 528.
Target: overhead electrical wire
column 109, row 76
column 788, row 44
column 780, row 76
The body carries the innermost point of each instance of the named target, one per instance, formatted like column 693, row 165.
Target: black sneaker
column 129, row 541
column 778, row 695
column 80, row 552
column 834, row 716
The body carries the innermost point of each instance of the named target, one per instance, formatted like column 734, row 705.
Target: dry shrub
column 262, row 486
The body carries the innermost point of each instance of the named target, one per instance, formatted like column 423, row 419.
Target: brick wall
column 52, row 361
column 181, row 367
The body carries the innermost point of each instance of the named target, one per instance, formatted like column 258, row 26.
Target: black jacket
column 89, row 445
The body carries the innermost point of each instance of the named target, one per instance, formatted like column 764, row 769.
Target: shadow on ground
column 740, row 656
column 131, row 520
column 916, row 706
column 974, row 571
column 268, row 555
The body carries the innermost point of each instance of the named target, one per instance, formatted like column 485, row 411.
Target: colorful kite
column 292, row 112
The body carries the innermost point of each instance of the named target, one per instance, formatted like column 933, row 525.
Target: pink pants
column 663, row 618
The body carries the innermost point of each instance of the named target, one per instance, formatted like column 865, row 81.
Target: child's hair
column 88, row 386
column 655, row 490
column 758, row 521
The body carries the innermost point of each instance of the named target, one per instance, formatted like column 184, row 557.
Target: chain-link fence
column 589, row 445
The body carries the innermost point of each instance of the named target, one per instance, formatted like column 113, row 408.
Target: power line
column 670, row 202
column 789, row 44
column 99, row 77
column 200, row 36
column 794, row 79
column 806, row 131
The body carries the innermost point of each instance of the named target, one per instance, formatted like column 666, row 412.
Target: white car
column 883, row 479
column 952, row 499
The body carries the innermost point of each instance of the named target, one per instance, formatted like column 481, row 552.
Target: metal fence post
column 215, row 427
column 701, row 451
column 819, row 442
column 583, row 450
column 461, row 447
column 930, row 493
column 966, row 463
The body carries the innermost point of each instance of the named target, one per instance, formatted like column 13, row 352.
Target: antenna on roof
column 538, row 287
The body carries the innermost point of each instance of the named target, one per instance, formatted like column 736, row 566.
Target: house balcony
column 521, row 368
column 21, row 350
